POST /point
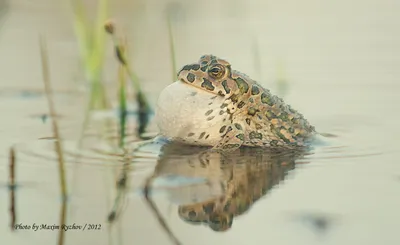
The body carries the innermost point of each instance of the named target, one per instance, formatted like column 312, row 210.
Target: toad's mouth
column 199, row 87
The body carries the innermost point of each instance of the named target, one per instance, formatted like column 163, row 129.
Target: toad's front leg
column 232, row 137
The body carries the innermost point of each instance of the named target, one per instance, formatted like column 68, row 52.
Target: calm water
column 336, row 62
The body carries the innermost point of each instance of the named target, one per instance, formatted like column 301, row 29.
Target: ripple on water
column 354, row 137
column 99, row 153
column 340, row 139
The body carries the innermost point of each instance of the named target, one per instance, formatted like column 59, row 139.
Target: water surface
column 335, row 62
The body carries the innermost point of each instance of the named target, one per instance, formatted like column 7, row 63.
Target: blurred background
column 337, row 62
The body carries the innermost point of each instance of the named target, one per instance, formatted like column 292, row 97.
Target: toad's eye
column 216, row 71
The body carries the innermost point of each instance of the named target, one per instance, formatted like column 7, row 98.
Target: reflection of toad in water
column 243, row 177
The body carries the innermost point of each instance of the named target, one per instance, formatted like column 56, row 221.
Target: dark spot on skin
column 284, row 116
column 223, row 105
column 208, row 112
column 222, row 129
column 186, row 68
column 225, row 85
column 203, row 63
column 270, row 115
column 230, row 115
column 210, row 118
column 234, row 98
column 230, row 146
column 208, row 208
column 204, row 68
column 207, row 84
column 279, row 134
column 196, row 67
column 241, row 104
column 227, row 206
column 242, row 85
column 190, row 77
column 274, row 142
column 252, row 111
column 258, row 126
column 291, row 110
column 255, row 135
column 251, row 100
column 238, row 126
column 267, row 99
column 210, row 103
column 193, row 93
column 207, row 136
column 243, row 207
column 291, row 130
column 221, row 112
column 213, row 61
column 190, row 134
column 202, row 135
column 255, row 90
column 283, row 137
column 212, row 98
column 248, row 121
column 240, row 136
column 229, row 129
column 220, row 93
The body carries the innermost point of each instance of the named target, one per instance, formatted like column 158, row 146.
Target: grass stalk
column 63, row 215
column 56, row 133
column 12, row 186
column 50, row 101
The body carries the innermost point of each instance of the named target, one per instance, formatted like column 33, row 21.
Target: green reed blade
column 120, row 51
column 122, row 105
column 82, row 29
column 172, row 48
